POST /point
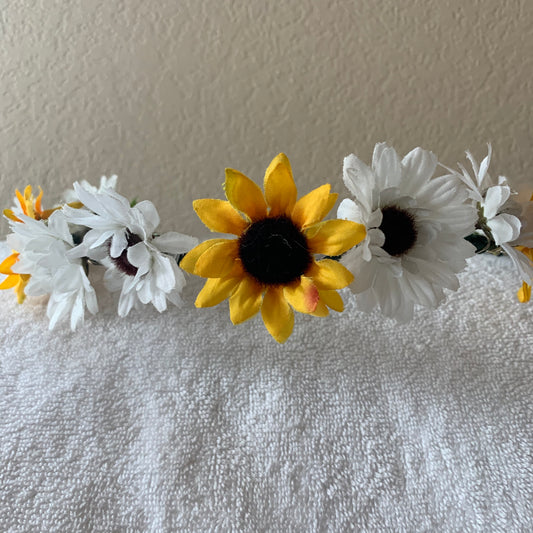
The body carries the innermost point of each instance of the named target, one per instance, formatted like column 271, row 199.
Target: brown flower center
column 274, row 251
column 399, row 229
column 121, row 262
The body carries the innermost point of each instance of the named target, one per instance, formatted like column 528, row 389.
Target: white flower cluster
column 420, row 228
column 98, row 227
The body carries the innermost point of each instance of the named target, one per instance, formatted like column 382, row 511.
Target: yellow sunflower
column 32, row 208
column 271, row 265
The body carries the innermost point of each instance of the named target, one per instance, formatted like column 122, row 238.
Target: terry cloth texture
column 183, row 422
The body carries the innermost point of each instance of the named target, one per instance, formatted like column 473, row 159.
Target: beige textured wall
column 168, row 93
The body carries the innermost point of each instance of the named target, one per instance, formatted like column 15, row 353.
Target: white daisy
column 43, row 247
column 502, row 220
column 416, row 226
column 141, row 264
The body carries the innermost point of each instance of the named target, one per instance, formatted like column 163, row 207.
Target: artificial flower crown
column 398, row 242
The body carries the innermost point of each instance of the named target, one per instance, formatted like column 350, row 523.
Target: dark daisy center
column 121, row 262
column 399, row 229
column 274, row 251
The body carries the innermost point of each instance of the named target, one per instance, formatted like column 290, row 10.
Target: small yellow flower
column 13, row 280
column 30, row 206
column 271, row 265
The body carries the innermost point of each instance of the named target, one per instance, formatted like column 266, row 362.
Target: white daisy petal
column 495, row 198
column 174, row 243
column 359, row 179
column 56, row 309
column 483, row 168
column 125, row 303
column 349, row 210
column 149, row 213
column 119, row 242
column 139, row 256
column 163, row 274
column 419, row 166
column 504, row 228
column 387, row 166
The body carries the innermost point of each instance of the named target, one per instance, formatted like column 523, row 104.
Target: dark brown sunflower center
column 121, row 262
column 399, row 229
column 274, row 251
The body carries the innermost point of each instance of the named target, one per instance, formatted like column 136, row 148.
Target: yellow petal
column 38, row 207
column 19, row 290
column 332, row 299
column 303, row 296
column 216, row 290
column 9, row 214
column 329, row 274
column 277, row 314
column 321, row 309
column 280, row 189
column 7, row 263
column 22, row 201
column 245, row 302
column 524, row 294
column 313, row 207
column 10, row 282
column 528, row 252
column 219, row 215
column 218, row 260
column 27, row 193
column 245, row 195
column 334, row 237
column 188, row 262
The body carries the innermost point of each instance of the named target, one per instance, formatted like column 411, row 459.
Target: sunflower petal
column 524, row 294
column 303, row 296
column 10, row 282
column 7, row 263
column 219, row 215
column 280, row 189
column 216, row 290
column 334, row 237
column 314, row 206
column 189, row 261
column 245, row 195
column 245, row 302
column 332, row 299
column 328, row 274
column 321, row 309
column 277, row 314
column 218, row 260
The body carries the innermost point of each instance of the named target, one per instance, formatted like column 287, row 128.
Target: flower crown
column 398, row 242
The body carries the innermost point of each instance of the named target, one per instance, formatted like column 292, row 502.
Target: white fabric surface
column 182, row 422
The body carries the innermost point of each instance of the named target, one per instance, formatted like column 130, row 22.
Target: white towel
column 183, row 422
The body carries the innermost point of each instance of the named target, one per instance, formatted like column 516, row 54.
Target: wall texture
column 168, row 93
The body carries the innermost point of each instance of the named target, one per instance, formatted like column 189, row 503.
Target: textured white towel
column 183, row 422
